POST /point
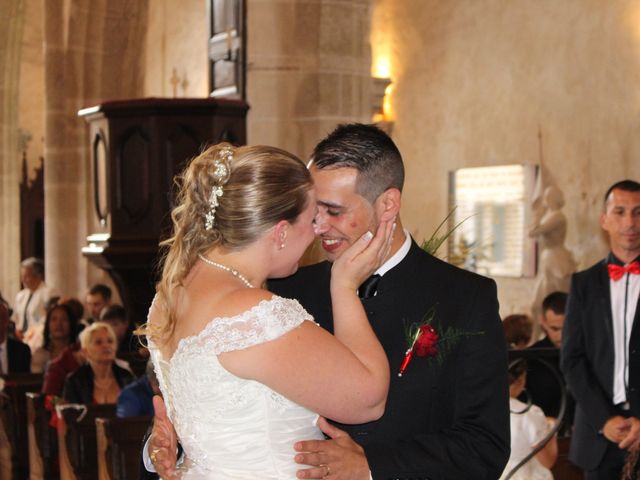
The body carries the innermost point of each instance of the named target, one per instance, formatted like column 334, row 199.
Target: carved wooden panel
column 132, row 189
column 146, row 142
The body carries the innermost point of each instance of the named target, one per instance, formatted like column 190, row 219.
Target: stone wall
column 93, row 52
column 475, row 81
column 176, row 38
column 308, row 69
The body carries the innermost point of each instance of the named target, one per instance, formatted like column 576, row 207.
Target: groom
column 446, row 419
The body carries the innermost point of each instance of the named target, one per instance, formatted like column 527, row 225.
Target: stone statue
column 556, row 264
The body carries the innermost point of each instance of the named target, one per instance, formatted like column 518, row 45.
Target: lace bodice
column 229, row 427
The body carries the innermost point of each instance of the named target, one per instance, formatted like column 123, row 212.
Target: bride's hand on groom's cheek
column 363, row 257
column 163, row 442
column 339, row 458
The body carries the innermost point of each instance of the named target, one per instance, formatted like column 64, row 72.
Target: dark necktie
column 26, row 318
column 369, row 287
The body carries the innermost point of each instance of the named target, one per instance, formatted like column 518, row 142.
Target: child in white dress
column 529, row 426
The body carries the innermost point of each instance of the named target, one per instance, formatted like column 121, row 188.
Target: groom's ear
column 387, row 205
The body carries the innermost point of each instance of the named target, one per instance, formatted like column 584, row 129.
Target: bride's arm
column 346, row 377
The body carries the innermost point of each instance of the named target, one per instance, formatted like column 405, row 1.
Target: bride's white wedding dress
column 229, row 427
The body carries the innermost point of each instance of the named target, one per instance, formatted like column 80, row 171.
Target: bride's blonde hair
column 264, row 185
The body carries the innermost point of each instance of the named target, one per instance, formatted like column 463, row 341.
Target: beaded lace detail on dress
column 230, row 427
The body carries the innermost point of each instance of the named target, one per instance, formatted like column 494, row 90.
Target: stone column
column 309, row 68
column 11, row 24
column 94, row 51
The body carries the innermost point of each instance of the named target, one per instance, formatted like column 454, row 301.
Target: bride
column 244, row 373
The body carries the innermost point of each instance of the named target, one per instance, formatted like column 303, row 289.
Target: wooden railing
column 77, row 440
column 43, row 439
column 14, row 406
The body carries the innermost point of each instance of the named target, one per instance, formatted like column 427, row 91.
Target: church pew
column 120, row 446
column 6, row 435
column 77, row 443
column 16, row 385
column 43, row 439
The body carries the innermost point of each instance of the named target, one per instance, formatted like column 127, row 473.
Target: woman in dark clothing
column 60, row 331
column 100, row 379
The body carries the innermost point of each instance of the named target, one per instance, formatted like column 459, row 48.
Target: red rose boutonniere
column 423, row 340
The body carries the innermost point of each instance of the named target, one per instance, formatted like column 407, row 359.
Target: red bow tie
column 616, row 272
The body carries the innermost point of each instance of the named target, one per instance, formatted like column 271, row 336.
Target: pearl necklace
column 233, row 272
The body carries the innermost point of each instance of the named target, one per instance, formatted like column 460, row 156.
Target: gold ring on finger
column 154, row 454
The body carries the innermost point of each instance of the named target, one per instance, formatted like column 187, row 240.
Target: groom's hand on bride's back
column 339, row 458
column 162, row 446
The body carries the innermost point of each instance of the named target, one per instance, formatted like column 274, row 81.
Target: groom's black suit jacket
column 442, row 421
column 587, row 360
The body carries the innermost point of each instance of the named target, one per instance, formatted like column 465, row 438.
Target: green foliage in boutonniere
column 423, row 340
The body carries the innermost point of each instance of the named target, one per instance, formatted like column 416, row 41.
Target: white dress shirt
column 35, row 308
column 397, row 257
column 624, row 300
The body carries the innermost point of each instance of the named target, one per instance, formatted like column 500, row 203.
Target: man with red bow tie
column 601, row 343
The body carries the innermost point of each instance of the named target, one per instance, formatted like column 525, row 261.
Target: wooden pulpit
column 137, row 147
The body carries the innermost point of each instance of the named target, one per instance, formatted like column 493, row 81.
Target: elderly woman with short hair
column 100, row 379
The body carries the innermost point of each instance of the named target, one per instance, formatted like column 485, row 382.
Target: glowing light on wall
column 381, row 67
column 387, row 110
column 381, row 88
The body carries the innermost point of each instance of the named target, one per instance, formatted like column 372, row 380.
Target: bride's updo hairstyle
column 228, row 197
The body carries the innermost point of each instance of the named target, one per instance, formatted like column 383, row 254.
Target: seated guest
column 100, row 379
column 136, row 398
column 98, row 297
column 68, row 362
column 60, row 330
column 76, row 307
column 59, row 368
column 15, row 356
column 116, row 316
column 553, row 310
column 541, row 382
column 517, row 331
column 29, row 309
column 528, row 428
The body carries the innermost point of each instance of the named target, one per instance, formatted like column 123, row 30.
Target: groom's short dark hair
column 624, row 185
column 367, row 149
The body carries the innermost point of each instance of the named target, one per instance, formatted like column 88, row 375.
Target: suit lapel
column 636, row 322
column 604, row 287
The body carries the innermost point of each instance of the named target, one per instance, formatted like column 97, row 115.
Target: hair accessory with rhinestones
column 221, row 172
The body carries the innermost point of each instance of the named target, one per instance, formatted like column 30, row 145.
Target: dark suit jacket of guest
column 136, row 399
column 587, row 361
column 78, row 387
column 18, row 356
column 448, row 421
